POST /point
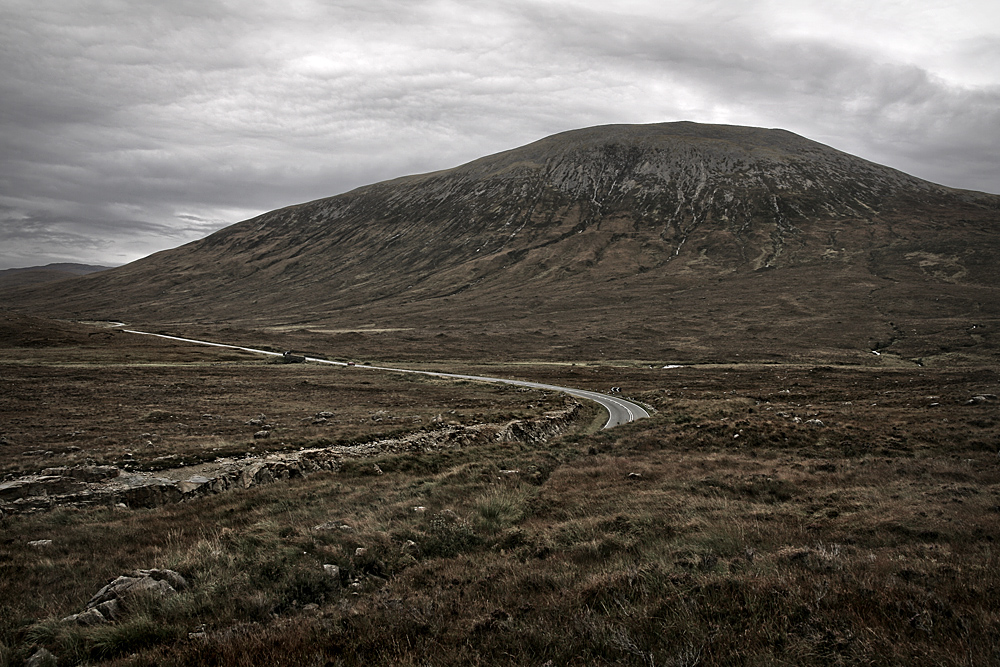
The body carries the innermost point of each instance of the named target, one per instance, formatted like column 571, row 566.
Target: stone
column 150, row 491
column 360, row 552
column 146, row 581
column 175, row 579
column 815, row 422
column 410, row 548
column 90, row 617
column 633, row 476
column 195, row 484
column 40, row 544
column 39, row 485
column 332, row 571
column 148, row 585
column 329, row 525
column 110, row 609
column 41, row 658
column 110, row 591
column 255, row 473
column 261, row 435
column 85, row 473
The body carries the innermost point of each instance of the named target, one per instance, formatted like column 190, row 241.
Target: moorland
column 765, row 513
column 818, row 482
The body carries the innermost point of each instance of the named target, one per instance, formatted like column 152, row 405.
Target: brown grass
column 869, row 539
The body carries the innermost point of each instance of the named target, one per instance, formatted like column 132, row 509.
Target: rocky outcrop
column 110, row 604
column 39, row 485
column 111, row 486
column 84, row 473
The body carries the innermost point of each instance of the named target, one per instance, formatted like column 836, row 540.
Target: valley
column 817, row 481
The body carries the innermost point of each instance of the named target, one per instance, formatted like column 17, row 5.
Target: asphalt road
column 620, row 411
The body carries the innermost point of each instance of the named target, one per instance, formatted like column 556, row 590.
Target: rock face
column 145, row 490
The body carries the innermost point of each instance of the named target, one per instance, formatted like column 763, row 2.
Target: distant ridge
column 10, row 278
column 679, row 239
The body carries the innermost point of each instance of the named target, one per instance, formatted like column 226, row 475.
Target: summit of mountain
column 673, row 240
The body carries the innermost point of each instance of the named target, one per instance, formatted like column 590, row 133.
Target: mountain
column 11, row 278
column 674, row 240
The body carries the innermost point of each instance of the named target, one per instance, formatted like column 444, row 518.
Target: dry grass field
column 780, row 513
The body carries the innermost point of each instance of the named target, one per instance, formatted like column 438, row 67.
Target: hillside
column 32, row 275
column 676, row 241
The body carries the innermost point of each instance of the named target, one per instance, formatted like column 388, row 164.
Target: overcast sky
column 131, row 126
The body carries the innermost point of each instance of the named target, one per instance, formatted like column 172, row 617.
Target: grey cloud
column 898, row 113
column 154, row 123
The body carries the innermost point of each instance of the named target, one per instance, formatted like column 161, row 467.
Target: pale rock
column 90, row 617
column 110, row 609
column 41, row 658
column 193, row 484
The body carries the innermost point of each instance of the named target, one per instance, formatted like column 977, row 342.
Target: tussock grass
column 666, row 542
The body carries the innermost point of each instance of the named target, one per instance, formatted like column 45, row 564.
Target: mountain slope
column 11, row 278
column 678, row 236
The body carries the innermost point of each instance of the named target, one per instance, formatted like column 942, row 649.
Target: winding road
column 619, row 410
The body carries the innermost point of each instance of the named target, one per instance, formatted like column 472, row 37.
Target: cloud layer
column 129, row 127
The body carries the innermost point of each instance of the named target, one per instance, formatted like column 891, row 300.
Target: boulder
column 150, row 492
column 332, row 571
column 162, row 582
column 255, row 473
column 41, row 658
column 110, row 609
column 175, row 579
column 40, row 485
column 88, row 618
column 195, row 485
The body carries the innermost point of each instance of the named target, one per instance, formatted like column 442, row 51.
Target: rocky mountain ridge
column 607, row 228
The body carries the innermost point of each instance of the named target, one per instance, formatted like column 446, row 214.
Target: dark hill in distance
column 32, row 275
column 666, row 242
